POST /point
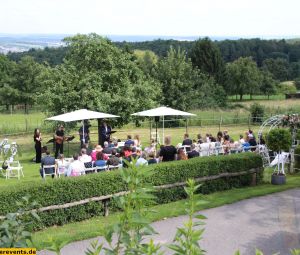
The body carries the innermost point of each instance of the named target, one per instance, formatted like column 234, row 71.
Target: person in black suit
column 193, row 153
column 187, row 140
column 105, row 133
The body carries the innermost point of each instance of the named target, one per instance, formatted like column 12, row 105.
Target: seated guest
column 127, row 151
column 100, row 161
column 181, row 155
column 113, row 160
column 193, row 153
column 207, row 138
column 88, row 150
column 242, row 140
column 84, row 157
column 44, row 150
column 142, row 160
column 152, row 159
column 137, row 141
column 187, row 140
column 129, row 142
column 76, row 168
column 226, row 144
column 150, row 148
column 47, row 160
column 97, row 149
column 61, row 164
column 167, row 152
column 252, row 141
column 134, row 153
column 107, row 149
column 199, row 139
column 220, row 137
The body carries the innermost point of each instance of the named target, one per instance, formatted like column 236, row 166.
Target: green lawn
column 95, row 226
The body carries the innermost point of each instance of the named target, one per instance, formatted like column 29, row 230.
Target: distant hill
column 21, row 43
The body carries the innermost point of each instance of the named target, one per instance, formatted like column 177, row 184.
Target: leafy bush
column 286, row 88
column 66, row 190
column 297, row 158
column 297, row 83
column 257, row 112
column 279, row 139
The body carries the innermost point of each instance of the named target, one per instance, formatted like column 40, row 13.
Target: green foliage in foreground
column 66, row 190
column 96, row 226
column 14, row 230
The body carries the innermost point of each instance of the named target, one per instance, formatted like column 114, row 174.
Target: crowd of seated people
column 113, row 155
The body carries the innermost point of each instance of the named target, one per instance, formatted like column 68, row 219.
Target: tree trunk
column 241, row 97
column 268, row 97
column 7, row 107
column 250, row 96
column 26, row 111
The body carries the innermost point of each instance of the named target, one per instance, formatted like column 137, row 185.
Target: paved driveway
column 270, row 223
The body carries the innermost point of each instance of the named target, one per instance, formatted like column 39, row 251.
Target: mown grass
column 96, row 226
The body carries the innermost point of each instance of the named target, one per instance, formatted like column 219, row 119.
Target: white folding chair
column 49, row 170
column 14, row 170
column 61, row 171
column 111, row 167
column 101, row 168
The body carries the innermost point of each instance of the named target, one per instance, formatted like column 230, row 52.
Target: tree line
column 93, row 72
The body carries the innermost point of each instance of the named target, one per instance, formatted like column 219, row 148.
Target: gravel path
column 270, row 223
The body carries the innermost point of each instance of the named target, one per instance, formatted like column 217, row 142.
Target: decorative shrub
column 257, row 112
column 66, row 190
column 279, row 139
column 297, row 158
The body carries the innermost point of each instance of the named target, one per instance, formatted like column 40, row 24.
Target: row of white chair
column 61, row 172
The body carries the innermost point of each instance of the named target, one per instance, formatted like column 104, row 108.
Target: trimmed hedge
column 66, row 190
column 297, row 158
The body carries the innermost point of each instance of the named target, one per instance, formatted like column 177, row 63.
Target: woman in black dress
column 37, row 137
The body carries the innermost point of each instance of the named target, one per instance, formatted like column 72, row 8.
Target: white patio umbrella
column 162, row 111
column 82, row 114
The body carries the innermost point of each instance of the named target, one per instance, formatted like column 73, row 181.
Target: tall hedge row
column 65, row 190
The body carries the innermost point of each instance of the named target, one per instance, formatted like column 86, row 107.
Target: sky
column 265, row 18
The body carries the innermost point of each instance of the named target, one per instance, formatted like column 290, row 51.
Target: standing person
column 37, row 138
column 86, row 135
column 105, row 133
column 168, row 152
column 59, row 141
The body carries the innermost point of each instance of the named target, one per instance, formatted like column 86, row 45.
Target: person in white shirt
column 84, row 158
column 242, row 140
column 76, row 168
column 62, row 164
column 142, row 160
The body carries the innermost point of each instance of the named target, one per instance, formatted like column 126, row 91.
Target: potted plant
column 279, row 140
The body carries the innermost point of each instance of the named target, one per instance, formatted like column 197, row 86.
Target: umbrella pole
column 186, row 126
column 83, row 139
column 163, row 136
column 150, row 129
column 156, row 134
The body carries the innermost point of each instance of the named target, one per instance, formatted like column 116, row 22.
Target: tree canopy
column 99, row 76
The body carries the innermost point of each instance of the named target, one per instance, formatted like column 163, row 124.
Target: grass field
column 236, row 113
